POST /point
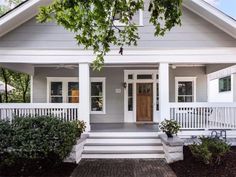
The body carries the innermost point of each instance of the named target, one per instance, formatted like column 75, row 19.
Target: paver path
column 123, row 168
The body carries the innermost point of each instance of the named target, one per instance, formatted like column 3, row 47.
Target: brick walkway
column 123, row 168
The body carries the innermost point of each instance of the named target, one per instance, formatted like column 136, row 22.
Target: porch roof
column 150, row 56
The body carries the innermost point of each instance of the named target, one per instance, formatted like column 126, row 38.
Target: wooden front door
column 144, row 102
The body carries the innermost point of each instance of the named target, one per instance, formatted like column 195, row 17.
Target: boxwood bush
column 210, row 150
column 6, row 134
column 40, row 140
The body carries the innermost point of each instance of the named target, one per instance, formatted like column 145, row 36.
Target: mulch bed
column 62, row 170
column 190, row 167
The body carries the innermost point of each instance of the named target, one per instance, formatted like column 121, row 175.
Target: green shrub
column 81, row 126
column 6, row 134
column 37, row 138
column 42, row 140
column 170, row 127
column 210, row 150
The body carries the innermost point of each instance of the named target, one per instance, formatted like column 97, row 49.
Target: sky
column 226, row 6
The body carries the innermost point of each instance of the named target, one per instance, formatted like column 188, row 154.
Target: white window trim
column 65, row 80
column 103, row 80
column 140, row 20
column 187, row 79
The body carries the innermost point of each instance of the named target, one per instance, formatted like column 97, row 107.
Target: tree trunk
column 25, row 89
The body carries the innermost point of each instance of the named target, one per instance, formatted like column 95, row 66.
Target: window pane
column 144, row 76
column 56, row 99
column 130, row 76
column 130, row 90
column 73, row 92
column 157, row 76
column 73, row 89
column 130, row 97
column 56, row 88
column 130, row 104
column 96, row 89
column 225, row 84
column 185, row 88
column 180, row 99
column 185, row 98
column 73, row 99
column 157, row 99
column 96, row 103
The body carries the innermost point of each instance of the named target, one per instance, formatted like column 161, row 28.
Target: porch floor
column 124, row 127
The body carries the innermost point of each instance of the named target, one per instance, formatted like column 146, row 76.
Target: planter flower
column 170, row 127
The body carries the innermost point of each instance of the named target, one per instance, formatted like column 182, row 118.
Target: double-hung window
column 98, row 95
column 185, row 89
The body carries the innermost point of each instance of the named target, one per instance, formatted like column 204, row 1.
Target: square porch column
column 84, row 94
column 164, row 91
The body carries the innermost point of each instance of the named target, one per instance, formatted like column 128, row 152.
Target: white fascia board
column 212, row 15
column 188, row 56
column 20, row 15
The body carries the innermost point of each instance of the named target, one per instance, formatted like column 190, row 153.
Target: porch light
column 124, row 84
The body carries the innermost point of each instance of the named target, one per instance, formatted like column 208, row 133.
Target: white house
column 187, row 75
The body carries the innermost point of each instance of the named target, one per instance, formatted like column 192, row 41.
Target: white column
column 84, row 93
column 31, row 89
column 164, row 91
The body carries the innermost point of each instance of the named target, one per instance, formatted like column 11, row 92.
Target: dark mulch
column 190, row 167
column 61, row 170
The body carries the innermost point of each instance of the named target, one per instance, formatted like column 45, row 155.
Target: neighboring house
column 149, row 83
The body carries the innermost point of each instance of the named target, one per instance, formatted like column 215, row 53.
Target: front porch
column 130, row 94
column 193, row 117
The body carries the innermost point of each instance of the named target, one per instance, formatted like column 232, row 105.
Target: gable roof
column 20, row 14
column 29, row 9
column 213, row 15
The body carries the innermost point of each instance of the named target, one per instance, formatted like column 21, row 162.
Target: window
column 66, row 90
column 130, row 97
column 157, row 98
column 98, row 95
column 73, row 92
column 56, row 92
column 144, row 76
column 137, row 18
column 130, row 76
column 225, row 84
column 185, row 89
column 63, row 90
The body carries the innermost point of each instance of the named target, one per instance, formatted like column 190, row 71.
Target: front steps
column 102, row 145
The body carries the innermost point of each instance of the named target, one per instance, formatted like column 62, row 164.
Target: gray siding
column 194, row 32
column 201, row 83
column 114, row 79
column 215, row 67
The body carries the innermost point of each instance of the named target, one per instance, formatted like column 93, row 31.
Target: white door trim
column 130, row 116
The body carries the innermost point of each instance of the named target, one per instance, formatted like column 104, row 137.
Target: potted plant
column 170, row 127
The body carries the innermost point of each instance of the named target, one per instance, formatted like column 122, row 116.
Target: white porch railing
column 63, row 111
column 204, row 115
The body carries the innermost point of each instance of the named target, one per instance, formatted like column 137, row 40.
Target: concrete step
column 123, row 154
column 112, row 148
column 122, row 144
column 123, row 134
column 103, row 140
